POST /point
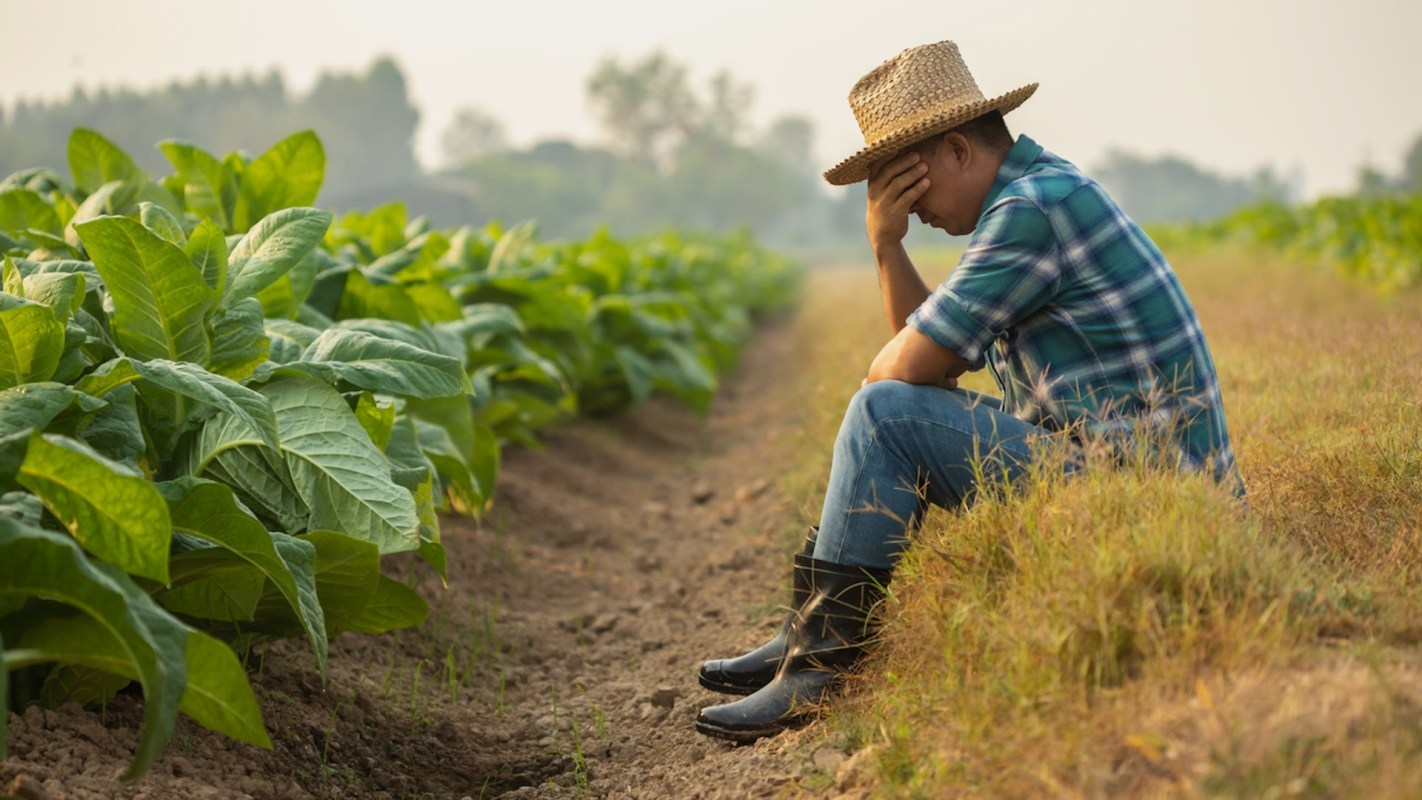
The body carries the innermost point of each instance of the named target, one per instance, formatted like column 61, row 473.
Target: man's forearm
column 900, row 286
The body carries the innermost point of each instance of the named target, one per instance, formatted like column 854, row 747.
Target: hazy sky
column 1234, row 84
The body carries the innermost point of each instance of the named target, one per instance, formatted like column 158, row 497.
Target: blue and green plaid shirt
column 1081, row 320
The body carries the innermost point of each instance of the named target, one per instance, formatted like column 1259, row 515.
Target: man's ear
column 959, row 148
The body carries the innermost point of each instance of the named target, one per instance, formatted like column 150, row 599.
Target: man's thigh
column 953, row 440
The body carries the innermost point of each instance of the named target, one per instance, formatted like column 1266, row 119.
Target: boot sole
column 728, row 688
column 743, row 735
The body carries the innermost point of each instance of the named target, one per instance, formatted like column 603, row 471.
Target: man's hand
column 894, row 186
column 912, row 357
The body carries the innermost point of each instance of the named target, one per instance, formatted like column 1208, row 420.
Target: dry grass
column 1132, row 634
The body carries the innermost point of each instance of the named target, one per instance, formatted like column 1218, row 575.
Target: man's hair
column 988, row 130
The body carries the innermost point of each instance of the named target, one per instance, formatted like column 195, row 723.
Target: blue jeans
column 902, row 446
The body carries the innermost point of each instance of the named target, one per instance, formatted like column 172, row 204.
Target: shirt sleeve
column 1010, row 270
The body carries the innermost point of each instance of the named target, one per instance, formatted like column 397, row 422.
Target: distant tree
column 367, row 124
column 471, row 134
column 1172, row 189
column 642, row 104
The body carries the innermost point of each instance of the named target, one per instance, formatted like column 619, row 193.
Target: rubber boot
column 747, row 673
column 826, row 637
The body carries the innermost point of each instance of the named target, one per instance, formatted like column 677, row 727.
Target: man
column 1084, row 326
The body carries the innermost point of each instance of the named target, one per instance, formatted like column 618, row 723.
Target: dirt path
column 561, row 660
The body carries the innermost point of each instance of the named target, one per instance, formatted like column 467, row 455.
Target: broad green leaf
column 31, row 342
column 209, row 189
column 209, row 512
column 63, row 293
column 382, row 365
column 95, row 161
column 115, row 514
column 217, row 695
column 375, row 418
column 302, row 559
column 453, row 415
column 285, row 297
column 160, row 299
column 12, row 281
column 511, row 245
column 289, row 339
column 384, row 300
column 12, row 455
column 431, row 551
column 207, row 247
column 289, row 174
column 227, row 593
column 239, row 339
column 36, row 405
column 29, row 268
column 334, row 468
column 159, row 220
column 382, row 228
column 51, row 248
column 192, row 382
column 415, row 335
column 450, row 462
column 347, row 572
column 73, row 360
column 483, row 462
column 272, row 248
column 435, row 302
column 114, row 197
column 393, row 605
column 22, row 507
column 434, row 554
column 22, row 209
column 228, row 452
column 114, row 431
column 38, row 563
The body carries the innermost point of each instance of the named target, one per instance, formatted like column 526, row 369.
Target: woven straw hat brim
column 856, row 168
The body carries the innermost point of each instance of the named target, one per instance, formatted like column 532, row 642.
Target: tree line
column 673, row 152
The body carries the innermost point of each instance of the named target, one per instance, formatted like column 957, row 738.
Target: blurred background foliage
column 673, row 152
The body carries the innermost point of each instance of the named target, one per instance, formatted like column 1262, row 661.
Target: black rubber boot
column 826, row 637
column 747, row 673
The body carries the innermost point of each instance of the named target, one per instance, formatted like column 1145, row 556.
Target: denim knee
column 878, row 400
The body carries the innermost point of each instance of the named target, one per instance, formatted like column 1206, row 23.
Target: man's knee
column 881, row 399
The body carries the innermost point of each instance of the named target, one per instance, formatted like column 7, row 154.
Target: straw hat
column 916, row 94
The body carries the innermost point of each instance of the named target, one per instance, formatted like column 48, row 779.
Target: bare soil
column 559, row 662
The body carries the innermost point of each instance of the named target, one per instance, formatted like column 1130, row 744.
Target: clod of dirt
column 665, row 697
column 702, row 493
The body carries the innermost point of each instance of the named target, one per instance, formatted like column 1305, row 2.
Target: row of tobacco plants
column 221, row 407
column 1377, row 238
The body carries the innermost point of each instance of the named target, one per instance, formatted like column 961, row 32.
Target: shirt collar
column 1023, row 154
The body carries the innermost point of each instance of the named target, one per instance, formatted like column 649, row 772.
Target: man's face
column 950, row 203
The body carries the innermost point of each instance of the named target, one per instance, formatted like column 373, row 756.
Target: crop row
column 1375, row 238
column 220, row 407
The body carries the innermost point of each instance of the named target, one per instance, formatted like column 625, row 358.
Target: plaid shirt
column 1081, row 320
